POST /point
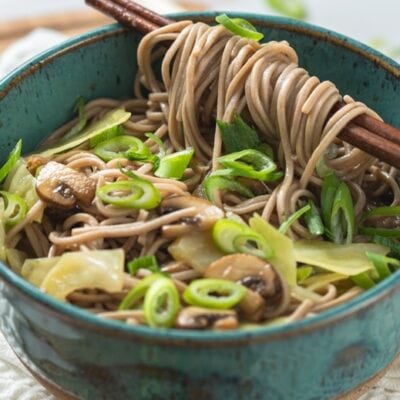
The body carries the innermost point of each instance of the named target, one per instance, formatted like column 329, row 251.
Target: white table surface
column 364, row 20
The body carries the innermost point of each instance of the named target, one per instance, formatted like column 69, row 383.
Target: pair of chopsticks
column 368, row 134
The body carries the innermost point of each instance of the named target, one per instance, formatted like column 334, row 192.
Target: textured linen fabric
column 16, row 383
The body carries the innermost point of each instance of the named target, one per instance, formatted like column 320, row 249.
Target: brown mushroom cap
column 204, row 318
column 206, row 215
column 267, row 293
column 62, row 186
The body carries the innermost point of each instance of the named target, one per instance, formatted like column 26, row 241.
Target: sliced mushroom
column 35, row 161
column 267, row 294
column 204, row 318
column 206, row 215
column 62, row 186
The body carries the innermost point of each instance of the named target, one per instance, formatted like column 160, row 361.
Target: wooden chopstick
column 366, row 133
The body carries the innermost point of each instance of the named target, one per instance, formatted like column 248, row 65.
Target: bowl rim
column 78, row 317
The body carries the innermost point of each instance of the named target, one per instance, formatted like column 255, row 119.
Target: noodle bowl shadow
column 78, row 355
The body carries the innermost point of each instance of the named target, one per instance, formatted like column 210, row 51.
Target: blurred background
column 43, row 23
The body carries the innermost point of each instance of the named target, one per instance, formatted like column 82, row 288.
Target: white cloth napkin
column 16, row 383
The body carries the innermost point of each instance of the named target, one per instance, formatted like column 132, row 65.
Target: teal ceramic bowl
column 77, row 355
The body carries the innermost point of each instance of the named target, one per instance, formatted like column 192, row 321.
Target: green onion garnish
column 235, row 237
column 382, row 264
column 137, row 292
column 217, row 182
column 313, row 220
column 240, row 27
column 173, row 165
column 382, row 270
column 214, row 293
column 159, row 142
column 337, row 210
column 249, row 163
column 392, row 244
column 303, row 273
column 342, row 223
column 363, row 280
column 134, row 193
column 161, row 303
column 15, row 208
column 12, row 159
column 293, row 218
column 121, row 147
column 145, row 262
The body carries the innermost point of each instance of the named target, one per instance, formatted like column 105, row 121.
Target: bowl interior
column 40, row 96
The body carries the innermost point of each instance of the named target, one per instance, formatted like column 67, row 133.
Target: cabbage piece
column 35, row 270
column 346, row 259
column 196, row 250
column 98, row 269
column 15, row 259
column 110, row 120
column 3, row 255
column 282, row 247
column 22, row 183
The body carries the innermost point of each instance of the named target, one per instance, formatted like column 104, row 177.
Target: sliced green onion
column 330, row 185
column 234, row 237
column 386, row 211
column 145, row 262
column 107, row 135
column 159, row 142
column 119, row 146
column 216, row 182
column 381, row 271
column 138, row 292
column 214, row 293
column 384, row 232
column 173, row 165
column 289, row 8
column 161, row 304
column 313, row 220
column 12, row 159
column 240, row 27
column 363, row 280
column 342, row 223
column 392, row 244
column 382, row 264
column 238, row 136
column 15, row 208
column 134, row 193
column 82, row 119
column 249, row 163
column 293, row 218
column 303, row 273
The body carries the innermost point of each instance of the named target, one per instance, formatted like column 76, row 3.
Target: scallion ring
column 249, row 163
column 240, row 27
column 119, row 147
column 138, row 292
column 161, row 303
column 173, row 166
column 15, row 208
column 134, row 193
column 235, row 237
column 214, row 293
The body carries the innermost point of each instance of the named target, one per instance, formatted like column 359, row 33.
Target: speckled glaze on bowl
column 78, row 355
